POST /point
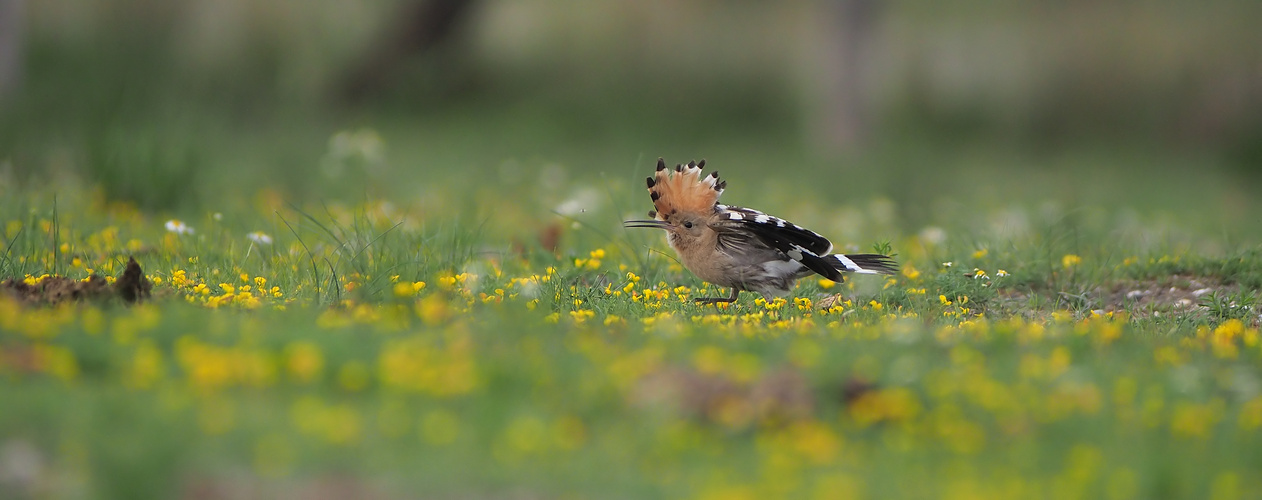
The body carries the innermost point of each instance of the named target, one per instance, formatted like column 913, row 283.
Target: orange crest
column 684, row 189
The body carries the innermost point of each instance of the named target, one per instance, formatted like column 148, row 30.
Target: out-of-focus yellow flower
column 816, row 441
column 910, row 272
column 433, row 309
column 147, row 366
column 354, row 376
column 403, row 290
column 1193, row 420
column 1070, row 260
column 895, row 404
column 526, row 434
column 304, row 361
column 581, row 316
column 708, row 359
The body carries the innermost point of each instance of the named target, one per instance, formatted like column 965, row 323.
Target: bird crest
column 684, row 189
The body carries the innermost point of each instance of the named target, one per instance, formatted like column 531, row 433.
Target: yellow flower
column 910, row 272
column 1070, row 260
column 980, row 253
column 580, row 316
column 815, row 441
column 403, row 290
column 433, row 309
column 887, row 404
column 304, row 360
column 353, row 376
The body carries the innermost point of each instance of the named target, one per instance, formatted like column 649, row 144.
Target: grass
column 441, row 347
column 432, row 295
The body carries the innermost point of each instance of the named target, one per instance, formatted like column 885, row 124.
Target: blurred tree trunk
column 420, row 26
column 845, row 121
column 11, row 21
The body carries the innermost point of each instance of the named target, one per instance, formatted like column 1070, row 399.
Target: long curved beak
column 646, row 223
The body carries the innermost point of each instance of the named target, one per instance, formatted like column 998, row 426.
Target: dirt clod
column 132, row 286
column 854, row 388
column 57, row 289
column 780, row 396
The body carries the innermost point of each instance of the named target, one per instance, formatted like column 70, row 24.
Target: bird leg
column 717, row 300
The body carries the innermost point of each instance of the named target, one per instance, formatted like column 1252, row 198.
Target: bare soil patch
column 132, row 286
column 1172, row 294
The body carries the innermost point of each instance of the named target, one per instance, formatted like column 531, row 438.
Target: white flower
column 933, row 235
column 260, row 237
column 946, row 264
column 178, row 227
column 1001, row 273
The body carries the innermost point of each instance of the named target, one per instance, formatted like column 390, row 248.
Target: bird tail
column 863, row 263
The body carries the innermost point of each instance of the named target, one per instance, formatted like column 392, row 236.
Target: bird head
column 683, row 199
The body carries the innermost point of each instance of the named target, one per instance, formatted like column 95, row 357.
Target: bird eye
column 688, row 224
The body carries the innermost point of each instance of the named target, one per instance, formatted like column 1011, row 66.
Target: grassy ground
column 429, row 294
column 503, row 337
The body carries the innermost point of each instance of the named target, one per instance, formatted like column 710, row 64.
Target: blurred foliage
column 205, row 96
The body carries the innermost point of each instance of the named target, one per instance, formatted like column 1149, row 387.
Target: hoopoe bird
column 741, row 248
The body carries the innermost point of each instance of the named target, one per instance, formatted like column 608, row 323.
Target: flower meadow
column 373, row 350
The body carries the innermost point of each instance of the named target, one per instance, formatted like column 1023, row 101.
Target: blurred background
column 934, row 107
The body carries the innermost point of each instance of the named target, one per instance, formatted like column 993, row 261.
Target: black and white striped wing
column 796, row 242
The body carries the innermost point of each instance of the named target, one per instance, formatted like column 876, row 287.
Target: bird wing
column 794, row 241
